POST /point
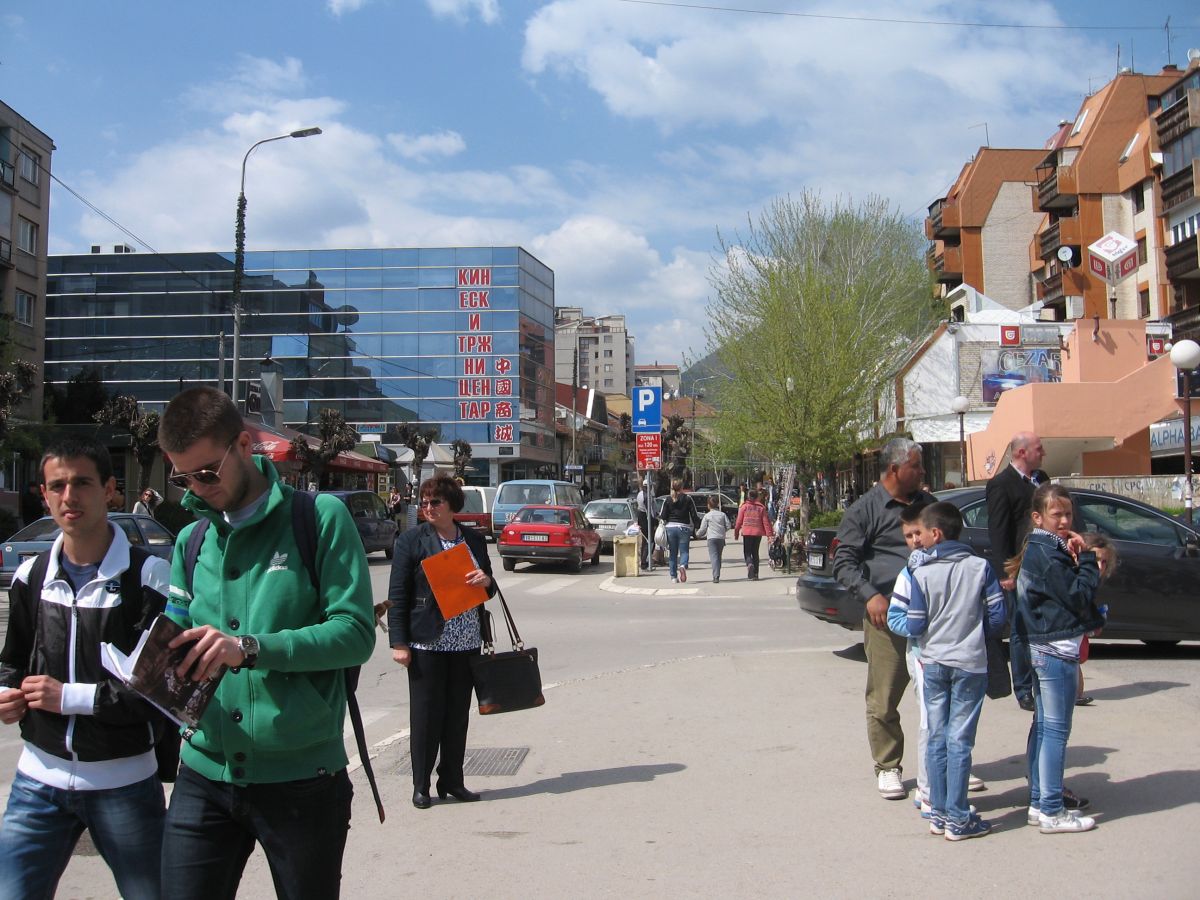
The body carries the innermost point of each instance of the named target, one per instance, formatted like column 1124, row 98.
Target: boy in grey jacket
column 946, row 599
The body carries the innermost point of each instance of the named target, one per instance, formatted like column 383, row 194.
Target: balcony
column 1180, row 187
column 1179, row 118
column 1184, row 322
column 947, row 265
column 1183, row 260
column 945, row 219
column 8, row 175
column 1051, row 289
column 6, row 253
column 1062, row 231
column 1057, row 188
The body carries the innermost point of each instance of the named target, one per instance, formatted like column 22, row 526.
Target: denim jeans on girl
column 953, row 699
column 678, row 538
column 43, row 823
column 1054, row 686
column 716, row 546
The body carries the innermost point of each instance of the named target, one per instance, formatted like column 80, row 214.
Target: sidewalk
column 747, row 775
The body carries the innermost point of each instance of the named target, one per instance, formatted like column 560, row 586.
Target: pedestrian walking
column 753, row 524
column 713, row 526
column 679, row 515
column 435, row 651
column 147, row 502
column 89, row 760
column 267, row 762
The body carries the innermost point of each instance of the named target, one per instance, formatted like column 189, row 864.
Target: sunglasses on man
column 207, row 477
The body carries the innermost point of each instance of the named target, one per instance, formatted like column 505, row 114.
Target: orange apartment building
column 982, row 228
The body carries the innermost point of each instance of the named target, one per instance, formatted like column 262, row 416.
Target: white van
column 477, row 509
column 512, row 495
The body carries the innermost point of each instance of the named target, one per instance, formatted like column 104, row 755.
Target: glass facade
column 460, row 339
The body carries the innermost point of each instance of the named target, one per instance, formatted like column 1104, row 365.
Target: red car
column 548, row 534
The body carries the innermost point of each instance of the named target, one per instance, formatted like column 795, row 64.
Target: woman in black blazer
column 436, row 652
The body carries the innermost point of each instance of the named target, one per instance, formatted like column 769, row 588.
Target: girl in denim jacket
column 1057, row 577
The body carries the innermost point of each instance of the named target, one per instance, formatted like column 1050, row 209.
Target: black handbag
column 999, row 682
column 505, row 682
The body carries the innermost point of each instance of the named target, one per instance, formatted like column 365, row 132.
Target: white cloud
column 488, row 10
column 251, row 81
column 424, row 146
column 341, row 7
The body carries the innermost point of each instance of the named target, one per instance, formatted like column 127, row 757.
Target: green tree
column 334, row 436
column 462, row 455
column 123, row 412
column 816, row 307
column 15, row 385
column 79, row 401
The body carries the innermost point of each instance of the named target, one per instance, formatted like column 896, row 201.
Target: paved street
column 709, row 740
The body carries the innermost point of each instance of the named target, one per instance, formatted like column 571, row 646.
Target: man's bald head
column 1027, row 451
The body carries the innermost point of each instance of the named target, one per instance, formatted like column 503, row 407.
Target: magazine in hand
column 150, row 671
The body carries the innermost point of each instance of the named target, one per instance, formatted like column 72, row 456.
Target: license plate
column 543, row 538
column 816, row 560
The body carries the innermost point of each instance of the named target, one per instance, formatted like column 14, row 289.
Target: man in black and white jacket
column 89, row 759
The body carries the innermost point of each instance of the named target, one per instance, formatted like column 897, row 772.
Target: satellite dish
column 1193, row 54
column 1065, row 254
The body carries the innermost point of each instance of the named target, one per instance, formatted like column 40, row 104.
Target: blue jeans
column 42, row 825
column 716, row 546
column 678, row 540
column 1054, row 685
column 953, row 699
column 212, row 827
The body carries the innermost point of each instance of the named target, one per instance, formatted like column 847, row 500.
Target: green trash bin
column 625, row 555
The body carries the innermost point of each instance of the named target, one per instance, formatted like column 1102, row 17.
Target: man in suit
column 1009, row 494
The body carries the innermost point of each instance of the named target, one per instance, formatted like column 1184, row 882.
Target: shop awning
column 276, row 445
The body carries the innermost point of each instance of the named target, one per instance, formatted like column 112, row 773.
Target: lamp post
column 1185, row 356
column 239, row 256
column 960, row 405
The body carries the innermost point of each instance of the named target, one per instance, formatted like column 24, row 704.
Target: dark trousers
column 750, row 545
column 647, row 539
column 1018, row 655
column 439, row 704
column 212, row 827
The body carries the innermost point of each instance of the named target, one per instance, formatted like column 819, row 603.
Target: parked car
column 477, row 509
column 1151, row 597
column 142, row 531
column 611, row 518
column 376, row 528
column 548, row 534
column 512, row 495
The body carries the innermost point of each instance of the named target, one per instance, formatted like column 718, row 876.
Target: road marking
column 555, row 584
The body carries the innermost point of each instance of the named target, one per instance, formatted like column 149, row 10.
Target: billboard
column 1005, row 368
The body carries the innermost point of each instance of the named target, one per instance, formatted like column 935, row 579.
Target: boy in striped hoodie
column 945, row 599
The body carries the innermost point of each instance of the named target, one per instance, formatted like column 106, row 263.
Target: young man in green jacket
column 267, row 761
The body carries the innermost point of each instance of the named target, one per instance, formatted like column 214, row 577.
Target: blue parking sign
column 647, row 410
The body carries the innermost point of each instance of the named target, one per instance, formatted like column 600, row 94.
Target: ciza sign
column 1112, row 258
column 1010, row 335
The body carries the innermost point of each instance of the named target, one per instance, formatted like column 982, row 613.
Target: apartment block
column 981, row 229
column 1177, row 127
column 24, row 222
column 1097, row 175
column 600, row 346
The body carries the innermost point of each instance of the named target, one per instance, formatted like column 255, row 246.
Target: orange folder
column 446, row 573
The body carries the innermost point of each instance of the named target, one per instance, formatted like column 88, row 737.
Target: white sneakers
column 975, row 784
column 1066, row 822
column 890, row 785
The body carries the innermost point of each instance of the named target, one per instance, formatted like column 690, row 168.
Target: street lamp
column 1185, row 356
column 239, row 255
column 960, row 405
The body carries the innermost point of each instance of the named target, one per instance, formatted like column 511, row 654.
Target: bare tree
column 14, row 386
column 462, row 455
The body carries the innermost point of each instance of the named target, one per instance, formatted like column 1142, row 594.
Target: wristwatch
column 249, row 647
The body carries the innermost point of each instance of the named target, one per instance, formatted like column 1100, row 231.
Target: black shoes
column 1026, row 702
column 421, row 798
column 459, row 793
column 1071, row 800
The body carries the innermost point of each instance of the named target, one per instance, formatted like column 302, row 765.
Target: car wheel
column 389, row 551
column 1160, row 645
column 596, row 556
column 508, row 562
column 577, row 562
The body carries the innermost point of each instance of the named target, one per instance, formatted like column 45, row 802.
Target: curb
column 609, row 584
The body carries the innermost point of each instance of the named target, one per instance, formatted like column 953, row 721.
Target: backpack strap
column 191, row 550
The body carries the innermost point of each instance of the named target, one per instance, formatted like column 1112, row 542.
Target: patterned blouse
column 461, row 632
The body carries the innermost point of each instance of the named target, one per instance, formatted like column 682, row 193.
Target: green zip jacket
column 281, row 720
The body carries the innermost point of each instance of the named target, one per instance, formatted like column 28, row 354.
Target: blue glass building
column 456, row 339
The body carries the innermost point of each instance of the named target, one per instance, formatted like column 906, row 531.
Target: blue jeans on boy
column 678, row 539
column 42, row 825
column 953, row 699
column 1055, row 684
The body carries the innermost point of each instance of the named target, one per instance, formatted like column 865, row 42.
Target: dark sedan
column 1151, row 597
column 376, row 528
column 35, row 537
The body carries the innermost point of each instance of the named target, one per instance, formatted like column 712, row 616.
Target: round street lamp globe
column 960, row 404
column 1185, row 355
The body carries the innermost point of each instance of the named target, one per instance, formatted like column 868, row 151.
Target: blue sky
column 611, row 139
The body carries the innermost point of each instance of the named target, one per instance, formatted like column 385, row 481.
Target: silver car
column 610, row 518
